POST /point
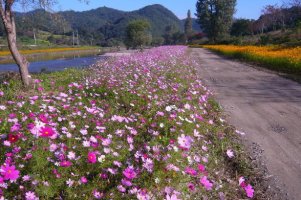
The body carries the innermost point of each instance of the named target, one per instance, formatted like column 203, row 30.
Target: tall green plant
column 188, row 25
column 138, row 34
column 215, row 17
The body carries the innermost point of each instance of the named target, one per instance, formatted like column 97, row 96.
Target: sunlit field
column 278, row 58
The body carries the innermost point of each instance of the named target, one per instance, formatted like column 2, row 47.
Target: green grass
column 61, row 78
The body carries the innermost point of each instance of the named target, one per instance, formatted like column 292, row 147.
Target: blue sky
column 245, row 8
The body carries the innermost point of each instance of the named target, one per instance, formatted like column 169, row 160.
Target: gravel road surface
column 266, row 107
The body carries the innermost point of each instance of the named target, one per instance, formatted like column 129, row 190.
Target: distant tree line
column 216, row 19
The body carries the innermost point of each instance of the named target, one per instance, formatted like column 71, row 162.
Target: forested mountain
column 98, row 25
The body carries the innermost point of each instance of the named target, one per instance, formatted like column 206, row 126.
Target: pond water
column 54, row 65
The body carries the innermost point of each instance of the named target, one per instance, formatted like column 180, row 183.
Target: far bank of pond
column 35, row 55
column 52, row 60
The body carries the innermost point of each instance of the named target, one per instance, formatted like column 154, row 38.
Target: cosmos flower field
column 135, row 127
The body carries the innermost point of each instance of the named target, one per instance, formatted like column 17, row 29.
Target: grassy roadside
column 283, row 60
column 159, row 106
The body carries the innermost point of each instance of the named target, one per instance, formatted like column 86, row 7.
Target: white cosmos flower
column 71, row 155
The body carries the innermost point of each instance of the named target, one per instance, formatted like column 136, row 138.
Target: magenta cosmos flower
column 9, row 172
column 65, row 163
column 249, row 190
column 191, row 171
column 92, row 157
column 129, row 173
column 206, row 183
column 46, row 132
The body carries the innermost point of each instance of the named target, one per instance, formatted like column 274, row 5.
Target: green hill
column 94, row 26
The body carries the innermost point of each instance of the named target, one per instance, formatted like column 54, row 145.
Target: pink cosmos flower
column 249, row 190
column 126, row 182
column 201, row 168
column 191, row 186
column 83, row 180
column 12, row 138
column 129, row 173
column 9, row 172
column 97, row 194
column 121, row 188
column 106, row 142
column 172, row 197
column 26, row 178
column 43, row 118
column 92, row 157
column 37, row 81
column 30, row 196
column 191, row 171
column 143, row 195
column 230, row 153
column 46, row 132
column 16, row 127
column 206, row 183
column 40, row 89
column 65, row 163
column 148, row 165
column 71, row 155
column 241, row 182
column 12, row 116
column 185, row 141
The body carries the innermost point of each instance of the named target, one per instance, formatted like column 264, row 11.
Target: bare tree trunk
column 10, row 28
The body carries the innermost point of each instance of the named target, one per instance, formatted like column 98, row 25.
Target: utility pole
column 72, row 38
column 77, row 38
column 34, row 37
column 92, row 39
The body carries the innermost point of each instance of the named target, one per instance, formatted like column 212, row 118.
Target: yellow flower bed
column 51, row 50
column 292, row 54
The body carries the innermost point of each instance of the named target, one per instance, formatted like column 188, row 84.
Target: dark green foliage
column 41, row 20
column 159, row 17
column 241, row 27
column 138, row 34
column 173, row 35
column 215, row 17
column 188, row 25
column 157, row 41
column 196, row 26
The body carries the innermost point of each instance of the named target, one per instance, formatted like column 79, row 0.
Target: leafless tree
column 296, row 3
column 271, row 14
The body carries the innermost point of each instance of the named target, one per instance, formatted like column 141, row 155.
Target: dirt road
column 266, row 107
